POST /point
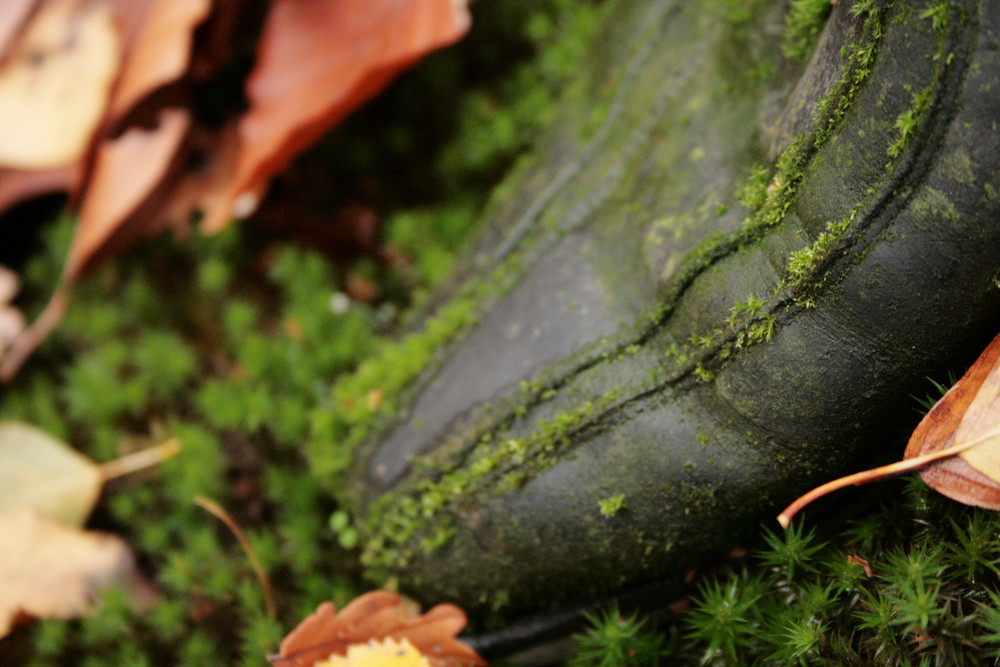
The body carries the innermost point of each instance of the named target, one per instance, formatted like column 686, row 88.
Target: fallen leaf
column 160, row 52
column 126, row 174
column 317, row 61
column 55, row 83
column 13, row 14
column 969, row 411
column 858, row 560
column 48, row 570
column 17, row 184
column 38, row 471
column 378, row 615
column 126, row 171
column 956, row 446
column 41, row 473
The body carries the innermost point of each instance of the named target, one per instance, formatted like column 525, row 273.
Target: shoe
column 716, row 285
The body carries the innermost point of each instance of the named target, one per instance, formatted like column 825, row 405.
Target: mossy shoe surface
column 717, row 283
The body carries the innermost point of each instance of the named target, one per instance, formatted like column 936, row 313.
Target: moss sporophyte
column 399, row 521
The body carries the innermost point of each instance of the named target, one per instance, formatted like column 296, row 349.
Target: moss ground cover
column 235, row 345
column 912, row 582
column 250, row 353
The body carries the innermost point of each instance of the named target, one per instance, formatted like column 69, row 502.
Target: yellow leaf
column 55, row 85
column 38, row 471
column 387, row 653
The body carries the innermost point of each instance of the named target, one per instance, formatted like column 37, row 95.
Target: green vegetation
column 611, row 505
column 242, row 348
column 803, row 24
column 929, row 600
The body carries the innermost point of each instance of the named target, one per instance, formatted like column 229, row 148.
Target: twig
column 881, row 472
column 220, row 513
column 144, row 458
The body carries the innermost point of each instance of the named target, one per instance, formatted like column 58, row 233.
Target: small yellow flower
column 386, row 653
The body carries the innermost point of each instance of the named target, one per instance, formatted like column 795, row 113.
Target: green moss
column 611, row 505
column 805, row 599
column 909, row 120
column 803, row 23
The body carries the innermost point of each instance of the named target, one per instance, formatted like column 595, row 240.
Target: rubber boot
column 716, row 284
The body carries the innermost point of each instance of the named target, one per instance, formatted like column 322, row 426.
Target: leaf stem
column 222, row 515
column 858, row 478
column 144, row 458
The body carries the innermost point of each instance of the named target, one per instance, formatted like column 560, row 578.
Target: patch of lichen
column 496, row 466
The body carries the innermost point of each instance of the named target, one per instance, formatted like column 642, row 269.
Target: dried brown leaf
column 956, row 446
column 378, row 615
column 48, row 570
column 967, row 411
column 17, row 184
column 160, row 51
column 126, row 171
column 317, row 61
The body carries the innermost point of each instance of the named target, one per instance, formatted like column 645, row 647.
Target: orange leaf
column 951, row 417
column 126, row 171
column 377, row 615
column 48, row 570
column 964, row 424
column 317, row 61
column 160, row 51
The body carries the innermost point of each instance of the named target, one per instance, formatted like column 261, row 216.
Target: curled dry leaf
column 318, row 60
column 48, row 570
column 968, row 411
column 54, row 84
column 160, row 51
column 60, row 115
column 126, row 171
column 956, row 446
column 377, row 616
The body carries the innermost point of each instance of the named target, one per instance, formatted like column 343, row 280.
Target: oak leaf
column 378, row 615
